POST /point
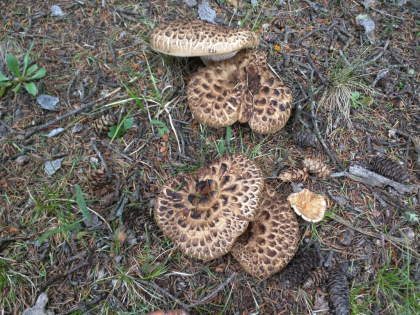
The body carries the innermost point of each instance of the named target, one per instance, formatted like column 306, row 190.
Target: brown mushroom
column 241, row 88
column 203, row 214
column 270, row 242
column 190, row 38
column 308, row 205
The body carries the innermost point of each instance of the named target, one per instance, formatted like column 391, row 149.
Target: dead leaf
column 370, row 3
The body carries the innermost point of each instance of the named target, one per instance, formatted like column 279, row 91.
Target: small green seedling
column 355, row 100
column 119, row 131
column 21, row 78
column 162, row 126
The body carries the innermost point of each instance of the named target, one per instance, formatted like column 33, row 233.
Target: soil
column 85, row 234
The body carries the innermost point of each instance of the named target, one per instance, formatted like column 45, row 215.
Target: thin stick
column 211, row 295
column 13, row 132
column 392, row 239
column 95, row 148
column 69, row 88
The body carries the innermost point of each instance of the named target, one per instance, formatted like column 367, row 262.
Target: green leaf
column 82, row 204
column 3, row 77
column 61, row 229
column 2, row 91
column 17, row 88
column 228, row 134
column 366, row 101
column 30, row 87
column 31, row 69
column 355, row 96
column 162, row 128
column 13, row 65
column 133, row 95
column 26, row 60
column 113, row 132
column 5, row 84
column 128, row 123
column 39, row 74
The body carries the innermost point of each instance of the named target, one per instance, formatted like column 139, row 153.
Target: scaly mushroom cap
column 241, row 88
column 308, row 205
column 270, row 242
column 203, row 214
column 189, row 38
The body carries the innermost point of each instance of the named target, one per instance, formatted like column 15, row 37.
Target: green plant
column 21, row 77
column 162, row 126
column 346, row 80
column 119, row 131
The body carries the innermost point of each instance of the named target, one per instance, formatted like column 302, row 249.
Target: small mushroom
column 270, row 242
column 191, row 38
column 241, row 88
column 308, row 205
column 204, row 213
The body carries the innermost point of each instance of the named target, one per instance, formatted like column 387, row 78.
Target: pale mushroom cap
column 270, row 242
column 206, row 227
column 241, row 88
column 189, row 38
column 308, row 205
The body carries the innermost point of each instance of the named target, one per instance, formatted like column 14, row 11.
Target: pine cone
column 294, row 175
column 387, row 167
column 102, row 124
column 270, row 38
column 316, row 278
column 279, row 23
column 339, row 292
column 305, row 139
column 316, row 167
column 139, row 220
column 299, row 269
column 97, row 179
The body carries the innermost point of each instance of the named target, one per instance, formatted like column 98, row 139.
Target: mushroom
column 203, row 214
column 308, row 205
column 191, row 38
column 241, row 88
column 270, row 242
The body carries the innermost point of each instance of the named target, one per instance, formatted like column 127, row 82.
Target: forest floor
column 90, row 242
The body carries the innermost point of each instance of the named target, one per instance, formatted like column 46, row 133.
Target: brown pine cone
column 305, row 139
column 316, row 167
column 294, row 175
column 270, row 38
column 339, row 292
column 97, row 179
column 102, row 124
column 279, row 23
column 316, row 279
column 387, row 167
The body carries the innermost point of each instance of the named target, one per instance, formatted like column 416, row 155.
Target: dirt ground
column 84, row 233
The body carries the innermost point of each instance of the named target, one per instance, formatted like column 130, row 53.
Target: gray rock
column 39, row 308
column 190, row 3
column 55, row 132
column 52, row 167
column 47, row 101
column 56, row 11
column 205, row 12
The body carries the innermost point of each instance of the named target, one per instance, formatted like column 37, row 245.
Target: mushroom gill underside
column 241, row 88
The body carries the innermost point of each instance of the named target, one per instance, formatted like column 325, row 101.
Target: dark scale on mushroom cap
column 205, row 214
column 270, row 242
column 247, row 91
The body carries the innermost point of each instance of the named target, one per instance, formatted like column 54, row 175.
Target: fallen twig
column 361, row 174
column 397, row 241
column 95, row 148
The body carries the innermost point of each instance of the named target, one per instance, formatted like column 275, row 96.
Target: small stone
column 39, row 308
column 21, row 160
column 94, row 160
column 56, row 11
column 52, row 167
column 47, row 101
column 205, row 12
column 55, row 132
column 190, row 3
column 343, row 147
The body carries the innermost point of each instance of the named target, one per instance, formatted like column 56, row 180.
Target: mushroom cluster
column 236, row 85
column 226, row 207
column 241, row 88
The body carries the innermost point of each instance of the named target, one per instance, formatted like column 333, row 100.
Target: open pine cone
column 387, row 167
column 102, row 124
column 294, row 175
column 97, row 179
column 316, row 167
